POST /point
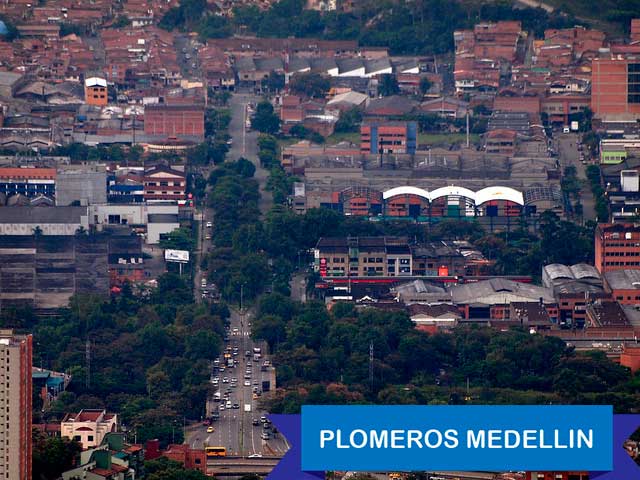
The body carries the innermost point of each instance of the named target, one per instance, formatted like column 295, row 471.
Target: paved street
column 234, row 429
column 245, row 144
column 569, row 155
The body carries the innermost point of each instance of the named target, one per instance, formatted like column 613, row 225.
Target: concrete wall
column 87, row 186
column 154, row 230
column 132, row 213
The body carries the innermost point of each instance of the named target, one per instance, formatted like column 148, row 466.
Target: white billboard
column 179, row 256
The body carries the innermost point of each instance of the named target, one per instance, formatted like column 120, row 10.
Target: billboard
column 179, row 256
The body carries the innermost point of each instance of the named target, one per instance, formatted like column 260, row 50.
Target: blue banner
column 456, row 438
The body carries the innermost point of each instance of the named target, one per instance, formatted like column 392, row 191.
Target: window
column 76, row 438
column 90, row 438
column 197, row 461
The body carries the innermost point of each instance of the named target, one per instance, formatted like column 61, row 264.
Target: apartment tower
column 15, row 405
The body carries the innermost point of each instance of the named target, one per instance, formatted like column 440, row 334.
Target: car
column 187, row 56
column 247, row 383
column 234, row 379
column 210, row 430
column 263, row 418
column 194, row 65
column 236, row 406
column 222, row 368
column 225, row 380
column 255, row 422
column 203, row 283
column 255, row 455
column 214, row 382
column 265, row 436
column 209, row 224
column 222, row 406
column 236, row 330
column 256, row 382
column 207, row 237
column 255, row 396
column 228, row 405
column 247, row 353
column 247, row 377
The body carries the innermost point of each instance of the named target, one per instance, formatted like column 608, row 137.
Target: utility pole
column 467, row 128
column 371, row 364
column 88, row 361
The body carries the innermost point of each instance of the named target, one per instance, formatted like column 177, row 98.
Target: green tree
column 121, row 21
column 265, row 119
column 425, row 85
column 53, row 455
column 274, row 82
column 179, row 239
column 310, row 84
column 349, row 121
column 388, row 85
column 203, row 344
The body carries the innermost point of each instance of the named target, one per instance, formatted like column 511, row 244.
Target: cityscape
column 217, row 211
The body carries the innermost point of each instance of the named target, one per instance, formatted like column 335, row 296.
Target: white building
column 88, row 427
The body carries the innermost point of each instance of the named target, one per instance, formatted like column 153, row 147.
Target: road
column 234, row 429
column 569, row 154
column 245, row 144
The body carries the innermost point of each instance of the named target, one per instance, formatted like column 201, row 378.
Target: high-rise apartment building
column 15, row 405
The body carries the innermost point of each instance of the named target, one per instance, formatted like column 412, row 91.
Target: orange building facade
column 617, row 247
column 95, row 91
column 615, row 88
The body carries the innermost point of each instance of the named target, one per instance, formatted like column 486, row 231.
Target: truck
column 574, row 126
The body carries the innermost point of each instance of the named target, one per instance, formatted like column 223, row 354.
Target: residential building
column 190, row 458
column 617, row 247
column 363, row 256
column 112, row 459
column 162, row 183
column 501, row 142
column 174, row 120
column 95, row 91
column 88, row 427
column 16, row 353
column 390, row 137
column 561, row 109
column 615, row 90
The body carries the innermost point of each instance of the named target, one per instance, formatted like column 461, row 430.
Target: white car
column 255, row 455
column 225, row 380
column 203, row 283
column 209, row 224
column 247, row 383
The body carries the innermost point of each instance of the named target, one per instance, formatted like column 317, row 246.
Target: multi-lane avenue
column 239, row 428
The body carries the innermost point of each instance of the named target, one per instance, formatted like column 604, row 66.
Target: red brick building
column 630, row 358
column 615, row 90
column 617, row 247
column 193, row 459
column 174, row 120
column 391, row 137
column 559, row 107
